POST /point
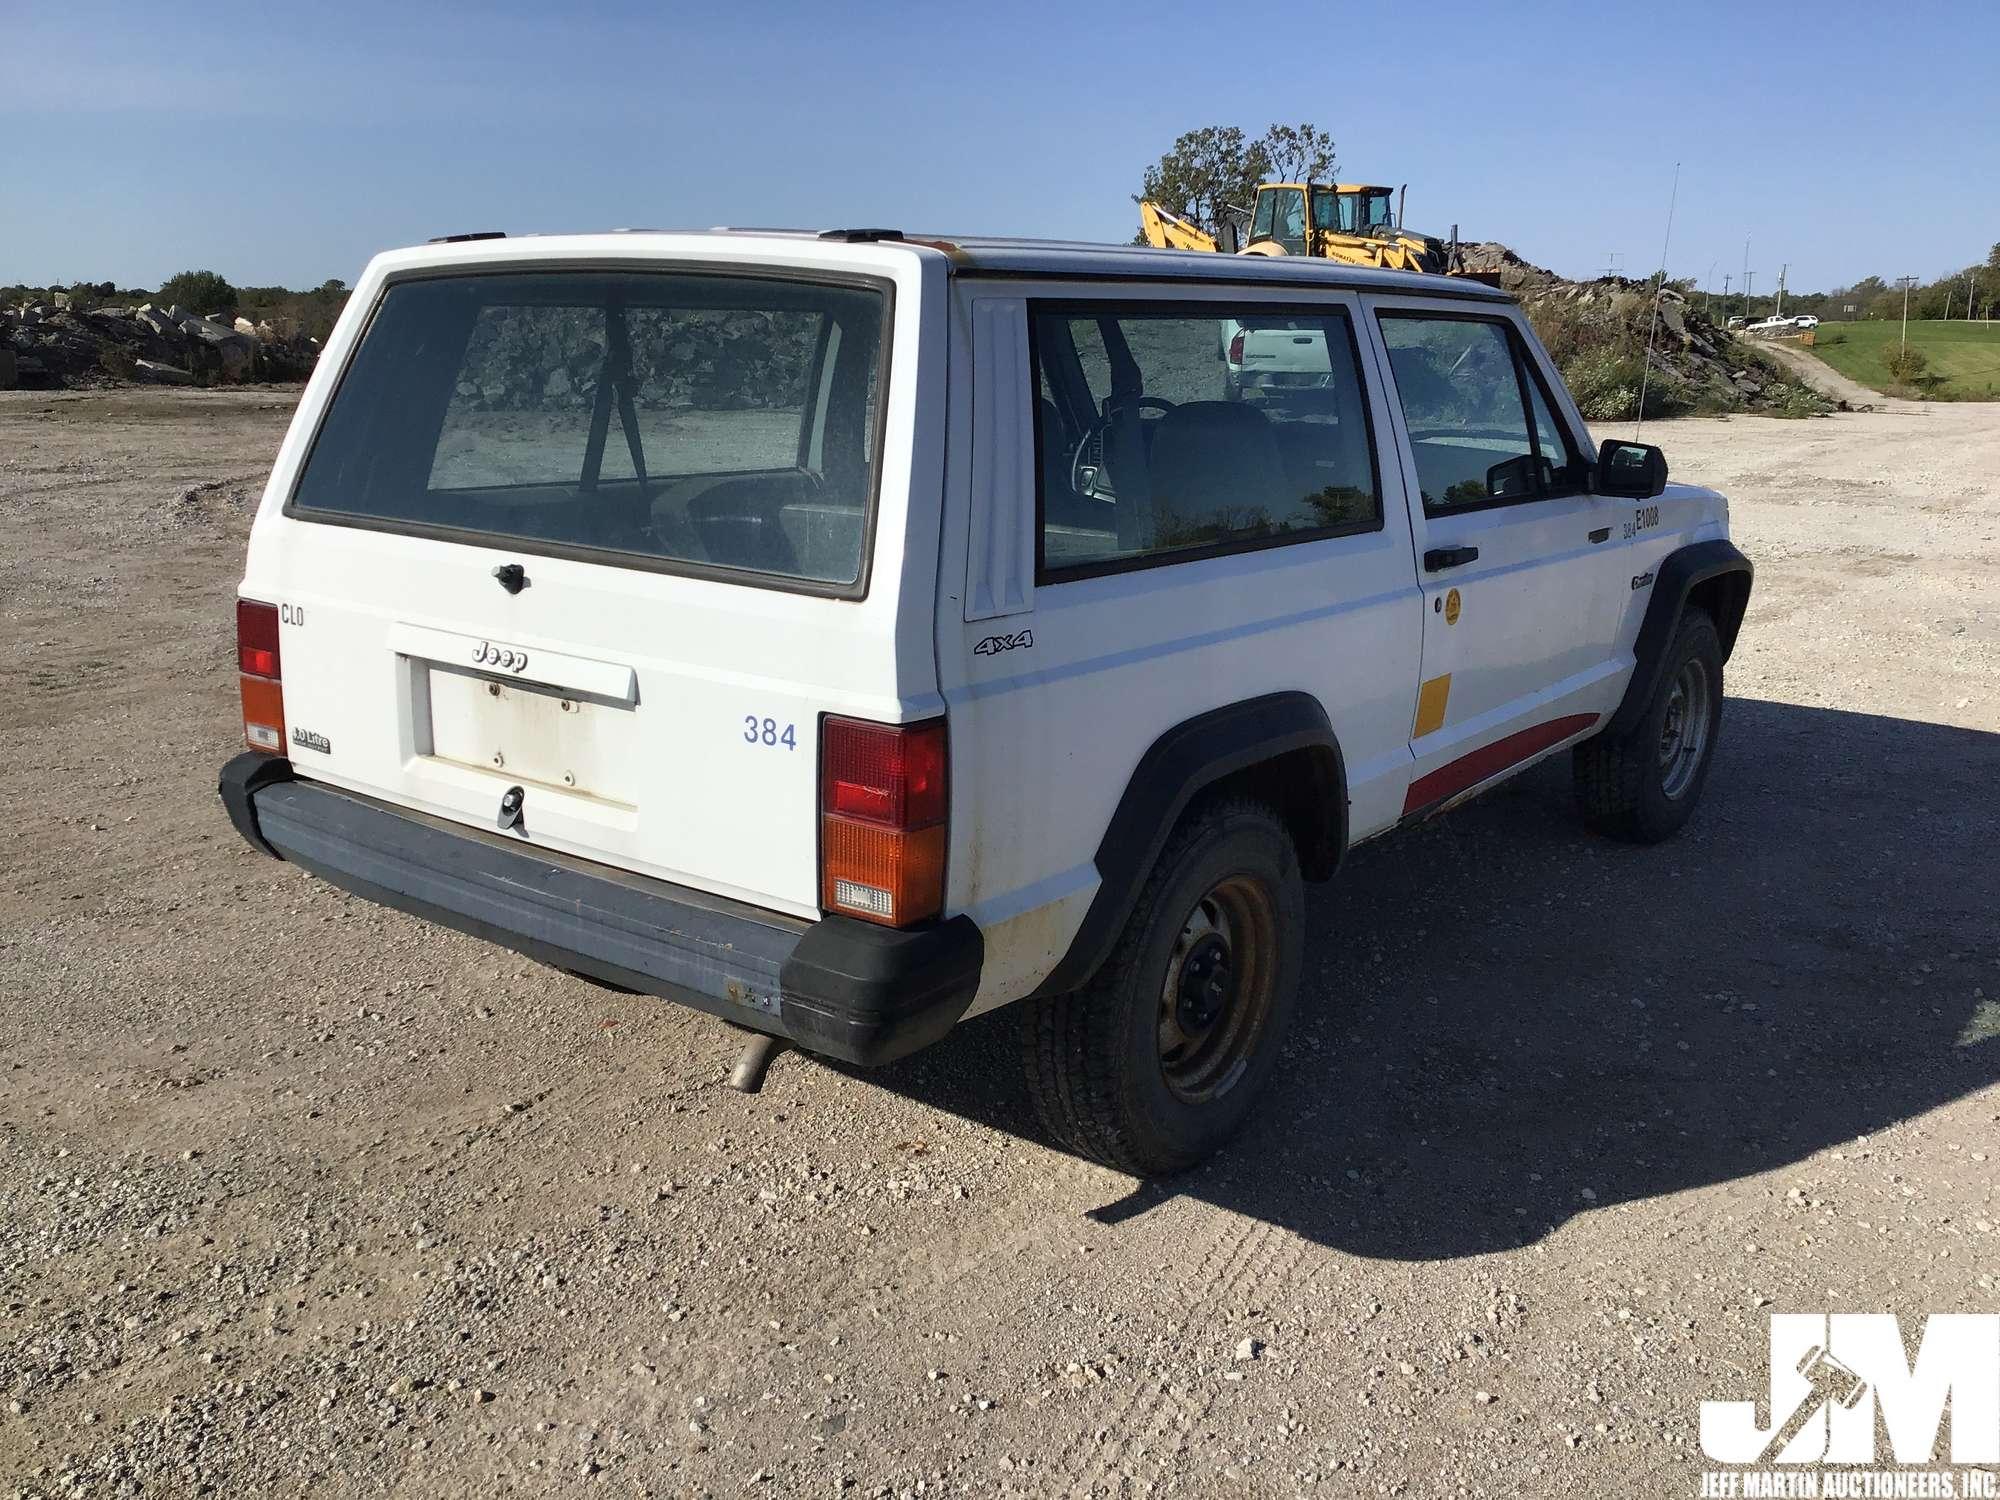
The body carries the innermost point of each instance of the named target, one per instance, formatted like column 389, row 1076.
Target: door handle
column 1440, row 558
column 1602, row 534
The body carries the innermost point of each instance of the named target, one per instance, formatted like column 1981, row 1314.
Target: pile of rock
column 542, row 358
column 1704, row 367
column 56, row 344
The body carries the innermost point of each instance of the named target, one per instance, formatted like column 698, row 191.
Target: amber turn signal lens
column 263, row 713
column 881, row 873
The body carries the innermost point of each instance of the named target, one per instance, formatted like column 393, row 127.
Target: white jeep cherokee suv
column 850, row 634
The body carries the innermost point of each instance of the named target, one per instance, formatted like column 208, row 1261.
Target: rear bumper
column 848, row 989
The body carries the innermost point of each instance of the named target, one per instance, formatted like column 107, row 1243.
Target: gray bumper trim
column 642, row 934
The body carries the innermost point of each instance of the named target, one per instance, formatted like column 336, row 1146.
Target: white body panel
column 680, row 794
column 1051, row 733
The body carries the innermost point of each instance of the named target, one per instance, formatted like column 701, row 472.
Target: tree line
column 206, row 293
column 1971, row 291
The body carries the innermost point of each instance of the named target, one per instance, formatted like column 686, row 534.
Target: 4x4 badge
column 993, row 645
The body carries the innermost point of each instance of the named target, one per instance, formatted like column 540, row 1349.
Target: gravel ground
column 297, row 1194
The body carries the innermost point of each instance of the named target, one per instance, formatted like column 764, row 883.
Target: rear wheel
column 1643, row 785
column 1161, row 1057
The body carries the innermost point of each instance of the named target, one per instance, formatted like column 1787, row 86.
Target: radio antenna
column 1659, row 287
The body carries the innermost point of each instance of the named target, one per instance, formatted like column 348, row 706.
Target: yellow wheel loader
column 1353, row 223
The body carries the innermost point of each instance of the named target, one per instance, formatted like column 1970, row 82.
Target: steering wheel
column 1159, row 404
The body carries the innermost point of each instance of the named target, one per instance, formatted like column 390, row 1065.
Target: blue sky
column 286, row 143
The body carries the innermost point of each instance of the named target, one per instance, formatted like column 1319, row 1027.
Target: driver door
column 1519, row 650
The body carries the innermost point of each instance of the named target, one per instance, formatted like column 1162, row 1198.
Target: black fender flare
column 1680, row 573
column 1178, row 766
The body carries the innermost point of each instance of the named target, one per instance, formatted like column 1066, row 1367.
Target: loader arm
column 1169, row 231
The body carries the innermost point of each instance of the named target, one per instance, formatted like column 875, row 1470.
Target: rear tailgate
column 1283, row 357
column 646, row 658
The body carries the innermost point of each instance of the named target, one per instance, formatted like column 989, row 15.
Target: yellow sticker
column 1431, row 700
column 1451, row 607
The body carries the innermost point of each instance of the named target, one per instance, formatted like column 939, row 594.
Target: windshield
column 726, row 424
column 1288, row 217
column 1260, row 226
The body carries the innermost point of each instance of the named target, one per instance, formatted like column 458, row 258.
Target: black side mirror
column 1637, row 471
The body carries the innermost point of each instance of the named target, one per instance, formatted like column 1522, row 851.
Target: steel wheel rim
column 1221, row 980
column 1684, row 729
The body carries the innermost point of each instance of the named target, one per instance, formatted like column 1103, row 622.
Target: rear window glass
column 720, row 423
column 1168, row 434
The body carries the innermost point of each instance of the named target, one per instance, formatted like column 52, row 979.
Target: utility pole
column 1725, row 294
column 1906, row 282
column 1781, row 289
column 1745, row 282
column 1708, row 294
column 1748, row 278
column 1971, row 288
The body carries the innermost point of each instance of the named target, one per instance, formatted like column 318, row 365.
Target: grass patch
column 1961, row 360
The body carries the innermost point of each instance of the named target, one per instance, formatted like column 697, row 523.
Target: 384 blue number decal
column 769, row 732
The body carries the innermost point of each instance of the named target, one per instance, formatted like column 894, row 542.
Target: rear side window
column 1165, row 434
column 1467, row 397
column 699, row 423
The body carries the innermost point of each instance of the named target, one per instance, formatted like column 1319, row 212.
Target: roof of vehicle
column 991, row 255
column 1069, row 258
column 1338, row 187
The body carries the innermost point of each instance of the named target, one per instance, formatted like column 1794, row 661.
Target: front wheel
column 1161, row 1057
column 1643, row 785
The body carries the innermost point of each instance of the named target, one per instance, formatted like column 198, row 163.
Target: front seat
column 739, row 522
column 1215, row 462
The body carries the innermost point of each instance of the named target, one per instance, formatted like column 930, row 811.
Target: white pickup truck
column 849, row 635
column 1273, row 358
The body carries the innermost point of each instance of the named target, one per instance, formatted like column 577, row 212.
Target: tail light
column 259, row 672
column 1236, row 350
column 882, row 819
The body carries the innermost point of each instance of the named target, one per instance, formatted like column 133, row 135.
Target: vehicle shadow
column 1506, row 1020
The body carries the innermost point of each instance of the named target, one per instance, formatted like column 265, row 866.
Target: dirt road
column 296, row 1193
column 1828, row 381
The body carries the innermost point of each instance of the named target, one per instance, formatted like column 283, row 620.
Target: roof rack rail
column 860, row 236
column 459, row 239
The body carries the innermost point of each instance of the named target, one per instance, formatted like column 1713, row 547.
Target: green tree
column 199, row 291
column 1298, row 153
column 1211, row 174
column 1904, row 364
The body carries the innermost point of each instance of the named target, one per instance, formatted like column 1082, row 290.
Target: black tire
column 1630, row 787
column 1223, row 913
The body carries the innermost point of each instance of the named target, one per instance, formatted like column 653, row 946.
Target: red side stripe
column 1488, row 761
